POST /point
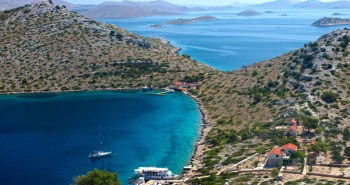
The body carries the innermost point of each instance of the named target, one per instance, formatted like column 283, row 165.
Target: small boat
column 189, row 167
column 155, row 173
column 147, row 88
column 169, row 90
column 99, row 154
column 138, row 181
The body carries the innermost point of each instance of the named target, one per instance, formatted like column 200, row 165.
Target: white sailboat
column 100, row 153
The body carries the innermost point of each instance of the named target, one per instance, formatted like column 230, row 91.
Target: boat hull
column 99, row 154
column 154, row 173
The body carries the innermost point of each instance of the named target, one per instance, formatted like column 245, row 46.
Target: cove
column 46, row 138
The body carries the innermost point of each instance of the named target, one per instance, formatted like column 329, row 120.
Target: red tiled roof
column 294, row 127
column 177, row 83
column 289, row 146
column 294, row 121
column 276, row 151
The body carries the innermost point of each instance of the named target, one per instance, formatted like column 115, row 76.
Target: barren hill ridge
column 45, row 47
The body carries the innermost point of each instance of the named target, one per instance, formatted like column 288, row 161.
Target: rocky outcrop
column 328, row 21
column 139, row 42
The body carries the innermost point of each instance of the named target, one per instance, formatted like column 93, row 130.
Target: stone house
column 275, row 157
column 289, row 148
column 292, row 131
column 293, row 122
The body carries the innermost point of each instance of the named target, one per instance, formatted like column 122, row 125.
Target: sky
column 185, row 2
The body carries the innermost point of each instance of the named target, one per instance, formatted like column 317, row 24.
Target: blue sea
column 232, row 41
column 46, row 138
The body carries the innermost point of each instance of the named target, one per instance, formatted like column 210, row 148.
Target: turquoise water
column 46, row 139
column 236, row 41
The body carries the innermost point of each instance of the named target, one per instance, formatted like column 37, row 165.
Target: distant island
column 188, row 21
column 328, row 21
column 248, row 13
column 338, row 14
column 156, row 26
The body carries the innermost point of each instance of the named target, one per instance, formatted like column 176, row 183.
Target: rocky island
column 188, row 21
column 338, row 14
column 329, row 21
column 248, row 13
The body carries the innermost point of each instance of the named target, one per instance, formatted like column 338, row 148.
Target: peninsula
column 329, row 21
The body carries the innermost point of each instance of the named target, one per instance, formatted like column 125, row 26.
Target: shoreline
column 196, row 159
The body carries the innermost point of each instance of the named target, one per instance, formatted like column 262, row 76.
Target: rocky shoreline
column 197, row 157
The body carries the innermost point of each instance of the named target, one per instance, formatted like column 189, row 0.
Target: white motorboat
column 155, row 173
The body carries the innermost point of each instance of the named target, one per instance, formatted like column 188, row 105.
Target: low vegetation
column 97, row 177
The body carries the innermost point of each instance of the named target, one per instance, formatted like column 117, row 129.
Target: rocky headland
column 329, row 21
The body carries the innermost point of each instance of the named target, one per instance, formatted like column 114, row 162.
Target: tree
column 346, row 133
column 315, row 148
column 319, row 146
column 257, row 98
column 329, row 96
column 97, row 177
column 337, row 158
column 255, row 73
column 261, row 150
column 310, row 123
column 274, row 173
column 297, row 156
column 347, row 152
column 119, row 36
column 112, row 33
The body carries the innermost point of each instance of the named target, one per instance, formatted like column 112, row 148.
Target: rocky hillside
column 248, row 105
column 45, row 47
column 263, row 91
column 10, row 4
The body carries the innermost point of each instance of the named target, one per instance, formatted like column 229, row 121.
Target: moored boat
column 147, row 88
column 169, row 90
column 99, row 154
column 155, row 173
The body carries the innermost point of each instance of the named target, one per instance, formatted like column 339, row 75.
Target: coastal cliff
column 328, row 21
